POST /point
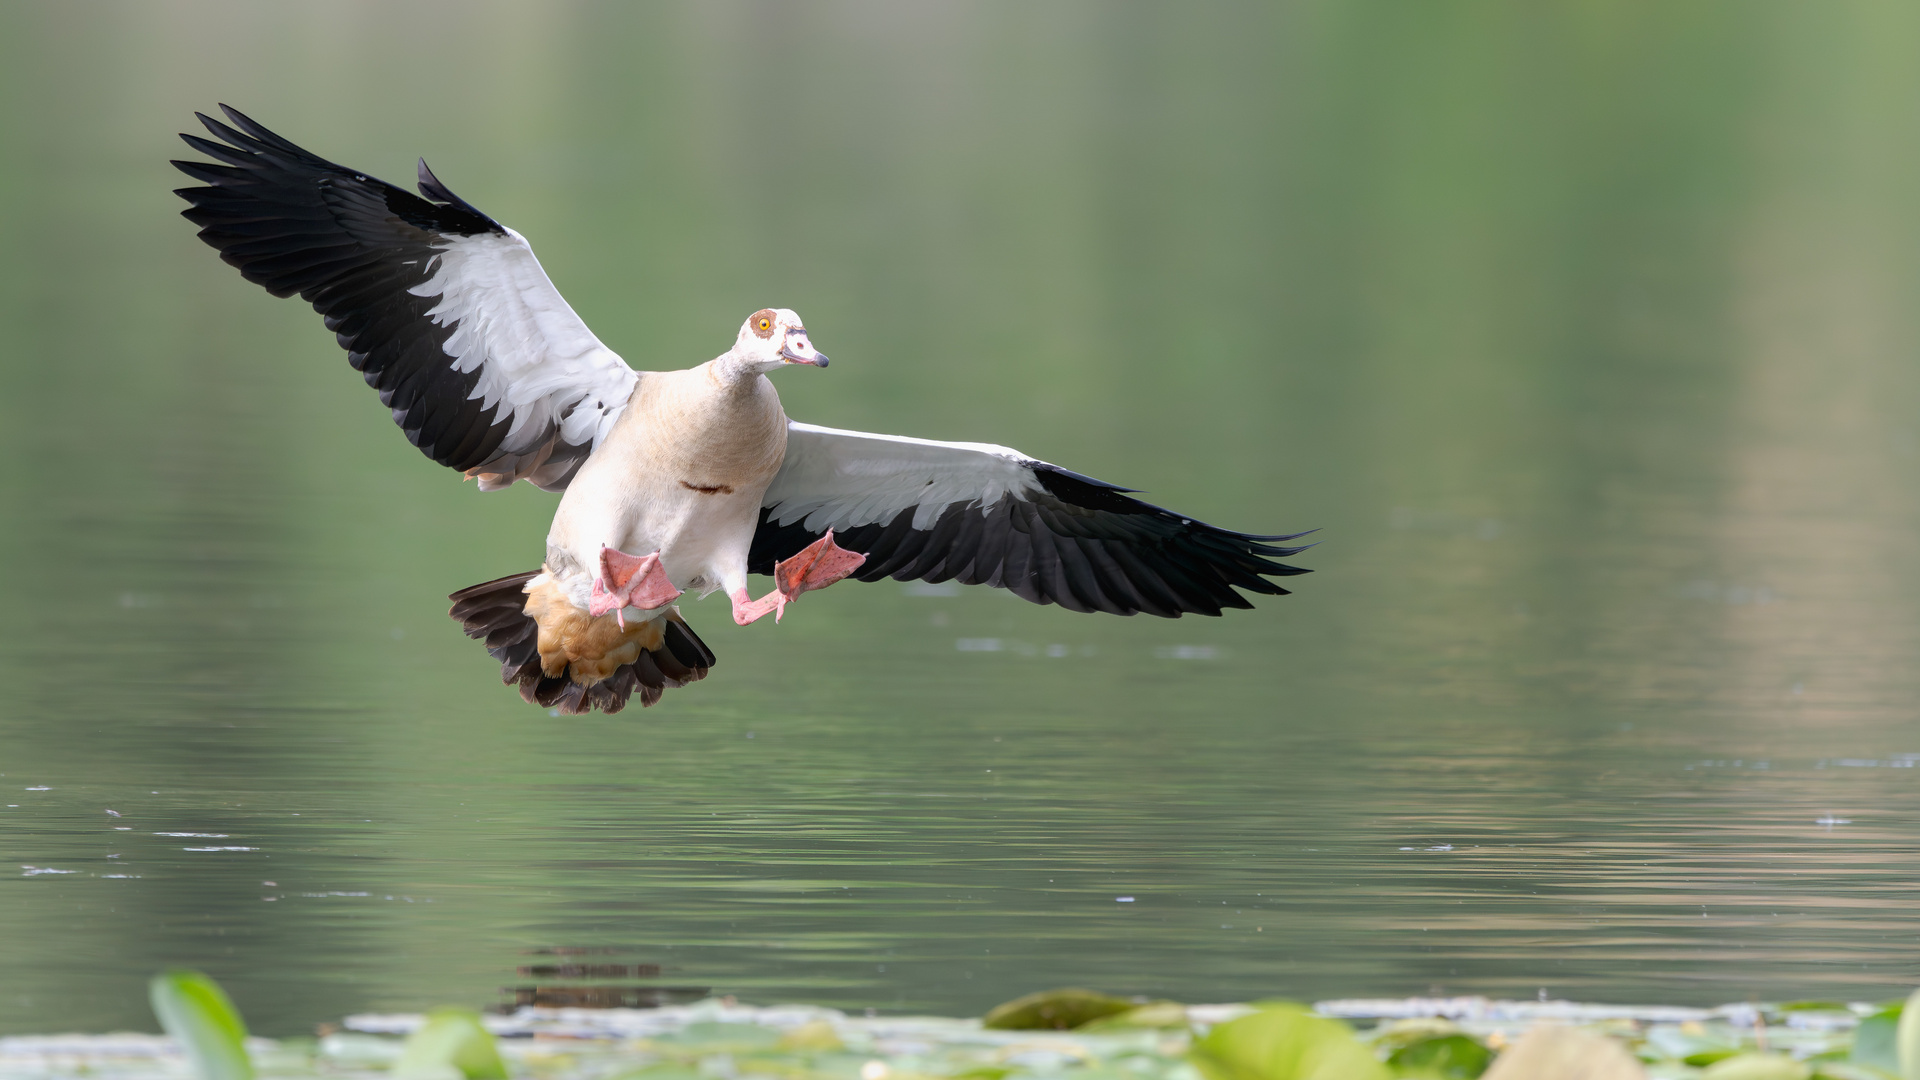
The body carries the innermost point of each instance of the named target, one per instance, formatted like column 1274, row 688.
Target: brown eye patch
column 762, row 322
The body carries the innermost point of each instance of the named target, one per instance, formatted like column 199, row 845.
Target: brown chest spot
column 708, row 489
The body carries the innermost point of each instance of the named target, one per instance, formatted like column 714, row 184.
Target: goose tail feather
column 497, row 614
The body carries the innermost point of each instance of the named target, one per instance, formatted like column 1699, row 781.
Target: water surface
column 1586, row 338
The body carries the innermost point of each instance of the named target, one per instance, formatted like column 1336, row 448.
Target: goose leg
column 629, row 581
column 815, row 566
column 746, row 611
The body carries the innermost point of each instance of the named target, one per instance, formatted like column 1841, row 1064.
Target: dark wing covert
column 982, row 514
column 442, row 309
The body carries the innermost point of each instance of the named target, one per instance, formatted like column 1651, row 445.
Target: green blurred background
column 1585, row 332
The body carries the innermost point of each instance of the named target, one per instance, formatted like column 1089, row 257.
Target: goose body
column 682, row 473
column 675, row 482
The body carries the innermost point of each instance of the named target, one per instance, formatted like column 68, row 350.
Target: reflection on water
column 579, row 983
column 1586, row 338
column 590, row 996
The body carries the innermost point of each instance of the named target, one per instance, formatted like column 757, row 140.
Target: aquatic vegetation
column 1450, row 1057
column 1886, row 1042
column 1756, row 1067
column 1561, row 1051
column 1054, row 1035
column 196, row 1012
column 451, row 1045
column 1285, row 1042
column 1056, row 1010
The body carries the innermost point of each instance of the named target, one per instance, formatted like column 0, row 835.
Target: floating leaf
column 451, row 1045
column 1549, row 1050
column 1907, row 1038
column 1445, row 1057
column 814, row 1035
column 195, row 1011
column 1413, row 1029
column 1285, row 1043
column 1840, row 1070
column 1876, row 1041
column 1689, row 1041
column 1054, row 1010
column 1154, row 1014
column 719, row 1037
column 1755, row 1067
column 664, row 1070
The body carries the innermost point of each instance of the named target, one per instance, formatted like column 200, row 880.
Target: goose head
column 773, row 338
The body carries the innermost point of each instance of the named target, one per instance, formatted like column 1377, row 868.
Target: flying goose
column 674, row 481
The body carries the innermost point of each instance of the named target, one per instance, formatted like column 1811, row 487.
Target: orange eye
column 766, row 324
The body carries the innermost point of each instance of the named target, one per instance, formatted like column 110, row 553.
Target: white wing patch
column 539, row 365
column 841, row 479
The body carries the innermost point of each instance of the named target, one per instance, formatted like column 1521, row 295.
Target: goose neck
column 733, row 373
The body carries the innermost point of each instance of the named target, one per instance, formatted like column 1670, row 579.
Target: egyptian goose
column 674, row 481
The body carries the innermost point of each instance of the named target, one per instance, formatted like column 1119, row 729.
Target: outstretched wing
column 990, row 515
column 444, row 310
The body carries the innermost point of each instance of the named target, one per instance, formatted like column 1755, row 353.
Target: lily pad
column 1054, row 1010
column 1285, row 1043
column 1840, row 1070
column 662, row 1071
column 1907, row 1038
column 1444, row 1057
column 1401, row 1033
column 1875, row 1041
column 1691, row 1043
column 452, row 1045
column 195, row 1011
column 1755, row 1067
column 1550, row 1050
column 717, row 1037
column 814, row 1035
column 1154, row 1014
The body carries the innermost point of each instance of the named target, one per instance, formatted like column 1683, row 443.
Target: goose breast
column 683, row 473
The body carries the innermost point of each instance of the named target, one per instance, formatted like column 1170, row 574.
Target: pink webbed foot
column 629, row 581
column 815, row 566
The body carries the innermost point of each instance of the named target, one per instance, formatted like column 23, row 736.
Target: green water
column 1586, row 333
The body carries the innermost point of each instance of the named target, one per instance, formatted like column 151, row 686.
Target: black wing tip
column 259, row 131
column 430, row 185
column 257, row 148
column 1277, row 552
column 1091, row 481
column 188, row 137
column 434, row 191
column 223, row 132
column 1158, row 563
column 247, row 138
column 1277, row 537
column 1096, row 494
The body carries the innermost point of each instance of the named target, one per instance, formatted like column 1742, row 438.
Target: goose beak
column 793, row 356
column 798, row 350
